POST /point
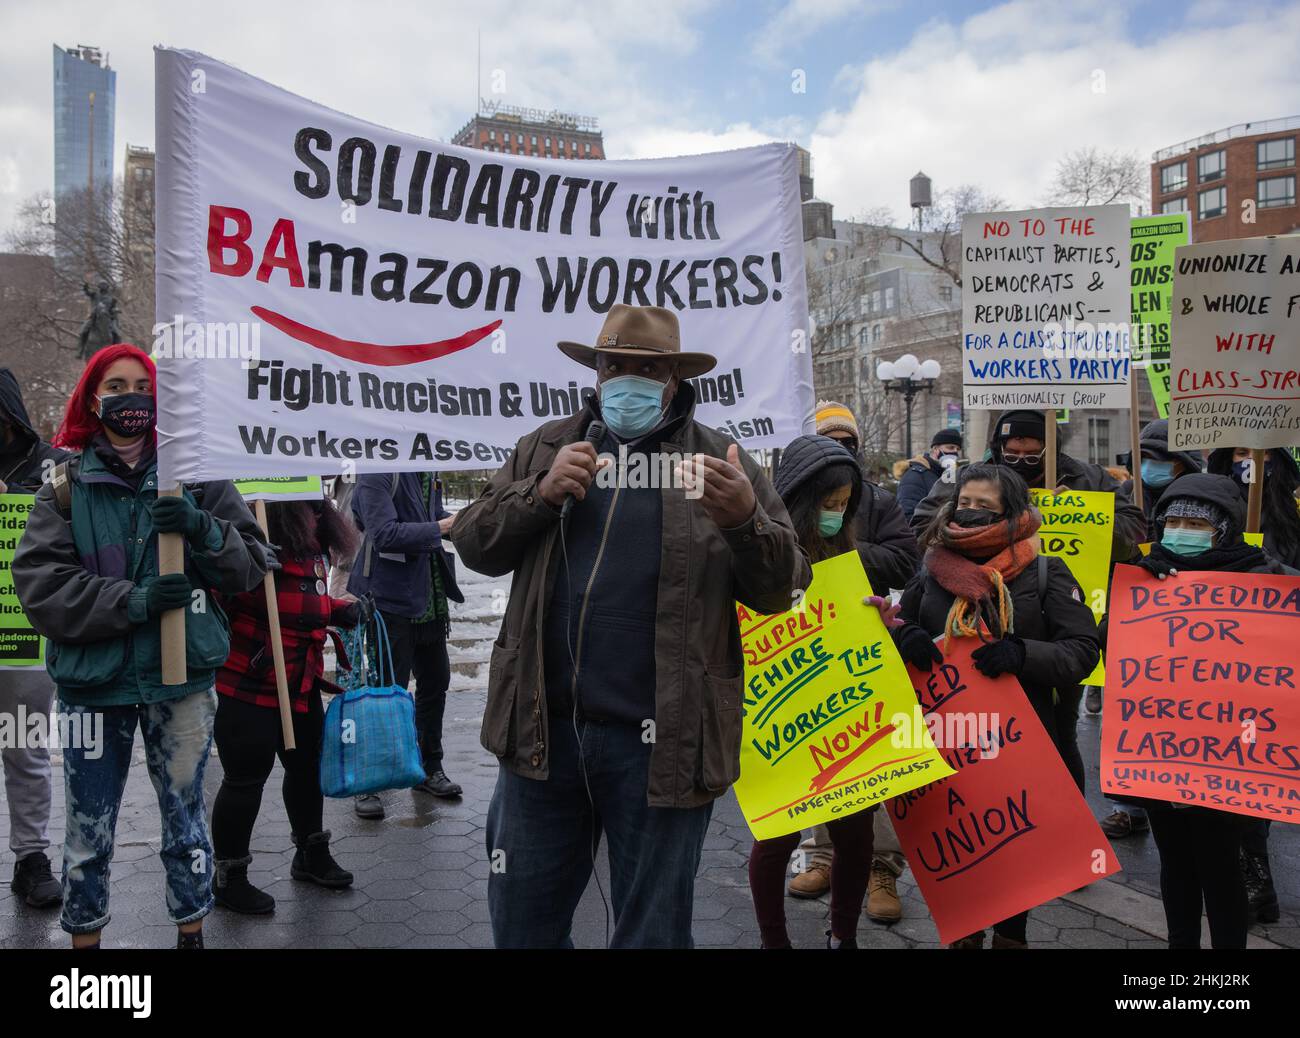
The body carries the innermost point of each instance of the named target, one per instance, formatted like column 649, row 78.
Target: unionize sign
column 406, row 296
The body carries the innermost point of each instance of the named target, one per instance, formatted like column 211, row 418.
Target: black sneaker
column 368, row 806
column 35, row 883
column 437, row 784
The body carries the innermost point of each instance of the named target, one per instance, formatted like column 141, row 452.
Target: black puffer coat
column 24, row 463
column 880, row 531
column 1285, row 550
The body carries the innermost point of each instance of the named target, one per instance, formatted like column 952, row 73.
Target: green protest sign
column 20, row 646
column 1152, row 240
column 280, row 488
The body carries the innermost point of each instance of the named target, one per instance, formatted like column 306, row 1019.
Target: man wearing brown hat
column 614, row 692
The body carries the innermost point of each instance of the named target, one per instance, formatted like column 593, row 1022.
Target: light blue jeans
column 177, row 738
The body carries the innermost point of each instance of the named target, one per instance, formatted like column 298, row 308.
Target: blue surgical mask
column 1157, row 473
column 829, row 523
column 631, row 405
column 1188, row 542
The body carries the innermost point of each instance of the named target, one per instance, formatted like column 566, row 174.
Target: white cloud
column 996, row 100
column 797, row 20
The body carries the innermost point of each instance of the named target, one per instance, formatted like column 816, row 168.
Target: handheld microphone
column 595, row 433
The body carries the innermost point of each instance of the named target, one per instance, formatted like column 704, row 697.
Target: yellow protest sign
column 1078, row 526
column 828, row 707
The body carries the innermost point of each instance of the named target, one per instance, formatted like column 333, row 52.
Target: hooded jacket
column 1155, row 437
column 702, row 572
column 1130, row 524
column 1220, row 464
column 881, row 534
column 24, row 462
column 917, row 481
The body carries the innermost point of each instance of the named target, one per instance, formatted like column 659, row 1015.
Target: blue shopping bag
column 369, row 743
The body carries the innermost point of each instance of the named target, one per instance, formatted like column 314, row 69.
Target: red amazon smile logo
column 373, row 352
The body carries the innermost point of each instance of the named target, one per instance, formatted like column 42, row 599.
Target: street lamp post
column 908, row 376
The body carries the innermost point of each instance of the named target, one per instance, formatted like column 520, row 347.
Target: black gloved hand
column 1006, row 656
column 272, row 560
column 1158, row 567
column 917, row 647
column 168, row 592
column 1103, row 629
column 360, row 611
column 179, row 515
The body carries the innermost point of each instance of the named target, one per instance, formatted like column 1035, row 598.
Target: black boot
column 231, row 889
column 35, row 883
column 189, row 941
column 314, row 863
column 1259, row 887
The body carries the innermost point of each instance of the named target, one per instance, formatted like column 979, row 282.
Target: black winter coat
column 25, row 463
column 1060, row 634
column 921, row 475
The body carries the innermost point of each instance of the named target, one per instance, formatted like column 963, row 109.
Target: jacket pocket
column 207, row 638
column 498, row 733
column 86, row 665
column 722, row 730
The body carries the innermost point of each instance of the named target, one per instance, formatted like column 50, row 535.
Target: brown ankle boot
column 813, row 882
column 883, row 905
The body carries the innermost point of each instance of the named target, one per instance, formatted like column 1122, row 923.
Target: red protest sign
column 1201, row 702
column 1010, row 829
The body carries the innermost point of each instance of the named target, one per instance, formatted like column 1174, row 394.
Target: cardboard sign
column 282, row 488
column 824, row 689
column 1236, row 322
column 1202, row 703
column 1009, row 830
column 1078, row 527
column 21, row 648
column 343, row 297
column 1154, row 239
column 1045, row 308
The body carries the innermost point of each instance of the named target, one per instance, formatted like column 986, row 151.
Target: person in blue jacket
column 412, row 577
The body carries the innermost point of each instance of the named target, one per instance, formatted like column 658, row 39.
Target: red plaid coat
column 306, row 609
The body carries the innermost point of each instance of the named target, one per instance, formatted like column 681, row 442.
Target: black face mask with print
column 127, row 414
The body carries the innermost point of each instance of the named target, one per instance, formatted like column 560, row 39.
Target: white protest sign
column 1235, row 364
column 393, row 303
column 1045, row 308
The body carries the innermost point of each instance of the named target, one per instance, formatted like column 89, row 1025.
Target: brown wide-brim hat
column 641, row 331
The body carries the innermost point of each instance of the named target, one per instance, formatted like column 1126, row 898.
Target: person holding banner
column 880, row 531
column 86, row 572
column 983, row 577
column 614, row 695
column 306, row 536
column 1158, row 468
column 1199, row 526
column 1018, row 441
column 1279, row 518
column 25, row 463
column 820, row 483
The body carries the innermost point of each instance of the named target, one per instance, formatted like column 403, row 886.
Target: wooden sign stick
column 171, row 559
column 1255, row 497
column 1049, row 452
column 1135, row 433
column 277, row 646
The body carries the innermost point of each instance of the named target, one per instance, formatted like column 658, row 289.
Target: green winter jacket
column 82, row 584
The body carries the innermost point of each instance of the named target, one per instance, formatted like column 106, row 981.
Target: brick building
column 1213, row 178
column 532, row 131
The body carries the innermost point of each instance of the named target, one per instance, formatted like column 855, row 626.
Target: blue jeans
column 177, row 738
column 548, row 833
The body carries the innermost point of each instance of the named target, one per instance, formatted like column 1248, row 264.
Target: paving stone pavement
column 421, row 873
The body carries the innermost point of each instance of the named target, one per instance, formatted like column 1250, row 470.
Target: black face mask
column 973, row 517
column 127, row 414
column 1025, row 469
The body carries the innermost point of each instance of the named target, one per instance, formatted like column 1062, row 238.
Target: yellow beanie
column 835, row 417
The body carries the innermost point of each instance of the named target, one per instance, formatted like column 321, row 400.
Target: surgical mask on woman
column 1157, row 473
column 1187, row 542
column 829, row 523
column 631, row 405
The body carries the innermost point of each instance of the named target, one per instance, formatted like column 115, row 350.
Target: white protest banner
column 1045, row 308
column 392, row 303
column 1236, row 344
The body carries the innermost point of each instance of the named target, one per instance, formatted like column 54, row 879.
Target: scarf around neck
column 979, row 588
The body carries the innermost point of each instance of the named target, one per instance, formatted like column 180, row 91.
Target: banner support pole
column 171, row 559
column 277, row 646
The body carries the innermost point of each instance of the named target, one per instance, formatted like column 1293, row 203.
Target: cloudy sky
column 983, row 93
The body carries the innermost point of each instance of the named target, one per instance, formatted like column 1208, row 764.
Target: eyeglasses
column 1032, row 459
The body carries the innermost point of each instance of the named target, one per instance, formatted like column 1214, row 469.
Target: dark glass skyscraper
column 84, row 101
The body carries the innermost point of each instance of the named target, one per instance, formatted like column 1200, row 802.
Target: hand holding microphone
column 572, row 471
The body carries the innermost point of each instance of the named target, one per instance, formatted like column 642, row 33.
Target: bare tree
column 1089, row 176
